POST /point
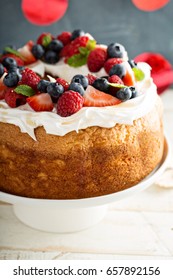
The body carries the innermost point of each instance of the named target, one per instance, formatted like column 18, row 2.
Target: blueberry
column 119, row 70
column 42, row 85
column 77, row 33
column 1, row 70
column 115, row 50
column 77, row 87
column 11, row 79
column 51, row 57
column 55, row 90
column 134, row 92
column 101, row 84
column 81, row 80
column 15, row 69
column 124, row 94
column 55, row 45
column 21, row 68
column 132, row 63
column 37, row 51
column 9, row 62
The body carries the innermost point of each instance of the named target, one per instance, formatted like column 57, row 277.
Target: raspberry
column 111, row 62
column 29, row 78
column 115, row 80
column 96, row 59
column 13, row 99
column 91, row 79
column 63, row 82
column 73, row 47
column 69, row 103
column 64, row 37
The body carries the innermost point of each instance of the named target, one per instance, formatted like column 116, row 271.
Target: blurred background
column 108, row 21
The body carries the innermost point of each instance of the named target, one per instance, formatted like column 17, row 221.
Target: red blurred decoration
column 150, row 5
column 162, row 70
column 44, row 12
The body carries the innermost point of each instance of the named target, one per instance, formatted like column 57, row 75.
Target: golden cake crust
column 95, row 161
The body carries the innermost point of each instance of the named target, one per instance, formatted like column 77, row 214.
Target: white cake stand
column 76, row 214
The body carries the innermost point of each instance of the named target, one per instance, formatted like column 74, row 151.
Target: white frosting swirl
column 124, row 113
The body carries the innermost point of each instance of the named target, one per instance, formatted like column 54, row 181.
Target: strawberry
column 14, row 99
column 64, row 37
column 3, row 89
column 40, row 39
column 69, row 103
column 96, row 98
column 40, row 102
column 115, row 80
column 129, row 78
column 111, row 62
column 19, row 61
column 73, row 47
column 63, row 82
column 26, row 53
column 96, row 59
column 91, row 79
column 29, row 78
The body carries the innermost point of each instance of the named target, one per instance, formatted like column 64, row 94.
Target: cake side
column 93, row 162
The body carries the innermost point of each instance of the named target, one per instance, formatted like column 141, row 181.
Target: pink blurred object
column 162, row 70
column 150, row 5
column 44, row 12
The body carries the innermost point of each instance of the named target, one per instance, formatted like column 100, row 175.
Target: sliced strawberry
column 96, row 98
column 40, row 102
column 3, row 89
column 26, row 53
column 129, row 78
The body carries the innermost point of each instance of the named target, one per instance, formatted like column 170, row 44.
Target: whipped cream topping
column 124, row 113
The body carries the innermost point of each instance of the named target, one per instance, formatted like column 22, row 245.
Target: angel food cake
column 77, row 119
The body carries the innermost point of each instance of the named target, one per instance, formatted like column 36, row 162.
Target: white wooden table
column 138, row 227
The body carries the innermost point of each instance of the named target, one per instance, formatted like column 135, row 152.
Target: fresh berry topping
column 14, row 99
column 77, row 33
column 77, row 87
column 91, row 79
column 81, row 80
column 73, row 47
column 51, row 57
column 18, row 60
column 132, row 63
column 1, row 70
column 64, row 37
column 63, row 82
column 42, row 85
column 134, row 92
column 119, row 70
column 43, row 38
column 96, row 98
column 114, row 79
column 37, row 51
column 116, row 50
column 3, row 89
column 96, row 59
column 111, row 62
column 129, row 77
column 69, row 103
column 26, row 53
column 9, row 62
column 101, row 84
column 11, row 79
column 55, row 90
column 40, row 102
column 55, row 45
column 124, row 94
column 29, row 78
